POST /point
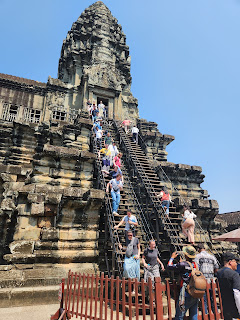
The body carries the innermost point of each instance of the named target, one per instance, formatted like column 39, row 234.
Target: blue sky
column 185, row 69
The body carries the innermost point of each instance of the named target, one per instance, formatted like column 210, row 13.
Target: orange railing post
column 117, row 298
column 78, row 293
column 106, row 296
column 130, row 298
column 158, row 298
column 136, row 299
column 124, row 298
column 83, row 295
column 74, row 294
column 111, row 295
column 96, row 296
column 169, row 300
column 150, row 289
column 101, row 296
column 91, row 297
column 143, row 299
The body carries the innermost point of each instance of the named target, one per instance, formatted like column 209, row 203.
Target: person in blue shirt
column 116, row 170
column 116, row 186
column 130, row 222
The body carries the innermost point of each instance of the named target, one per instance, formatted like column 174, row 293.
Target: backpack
column 129, row 251
column 197, row 284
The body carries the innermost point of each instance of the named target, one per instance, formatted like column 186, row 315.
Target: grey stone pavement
column 39, row 312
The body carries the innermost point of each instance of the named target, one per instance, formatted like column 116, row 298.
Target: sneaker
column 115, row 213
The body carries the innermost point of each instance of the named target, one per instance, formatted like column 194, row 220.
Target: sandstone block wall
column 48, row 206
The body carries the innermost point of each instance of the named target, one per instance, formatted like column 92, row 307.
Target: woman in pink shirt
column 117, row 160
column 126, row 124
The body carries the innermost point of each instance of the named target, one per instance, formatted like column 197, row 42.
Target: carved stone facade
column 95, row 63
column 49, row 209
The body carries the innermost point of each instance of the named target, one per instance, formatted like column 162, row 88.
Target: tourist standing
column 229, row 282
column 126, row 124
column 151, row 262
column 94, row 112
column 188, row 224
column 185, row 301
column 116, row 170
column 105, row 159
column 131, row 266
column 165, row 198
column 117, row 160
column 98, row 133
column 130, row 222
column 101, row 108
column 208, row 265
column 89, row 108
column 115, row 149
column 135, row 132
column 108, row 139
column 116, row 186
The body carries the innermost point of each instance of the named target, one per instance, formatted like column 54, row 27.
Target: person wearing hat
column 229, row 282
column 185, row 301
column 208, row 265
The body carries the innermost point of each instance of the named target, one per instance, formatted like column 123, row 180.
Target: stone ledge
column 62, row 152
column 28, row 296
column 54, row 256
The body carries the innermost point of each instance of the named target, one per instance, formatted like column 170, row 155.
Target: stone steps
column 14, row 297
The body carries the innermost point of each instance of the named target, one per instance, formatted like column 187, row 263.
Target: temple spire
column 95, row 55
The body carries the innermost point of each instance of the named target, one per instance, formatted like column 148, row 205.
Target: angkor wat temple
column 54, row 212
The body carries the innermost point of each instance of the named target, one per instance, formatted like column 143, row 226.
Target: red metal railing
column 102, row 298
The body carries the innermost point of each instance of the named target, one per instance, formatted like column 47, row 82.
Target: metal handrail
column 111, row 221
column 144, row 225
column 147, row 183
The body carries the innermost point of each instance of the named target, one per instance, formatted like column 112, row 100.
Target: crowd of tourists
column 185, row 263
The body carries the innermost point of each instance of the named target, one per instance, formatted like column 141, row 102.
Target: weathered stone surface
column 25, row 247
column 50, row 234
column 61, row 151
column 37, row 209
column 73, row 192
column 35, row 197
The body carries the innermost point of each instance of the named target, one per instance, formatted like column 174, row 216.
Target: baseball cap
column 229, row 256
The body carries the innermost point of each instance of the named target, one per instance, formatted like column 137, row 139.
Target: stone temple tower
column 95, row 63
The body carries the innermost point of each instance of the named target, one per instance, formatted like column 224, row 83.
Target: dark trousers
column 135, row 137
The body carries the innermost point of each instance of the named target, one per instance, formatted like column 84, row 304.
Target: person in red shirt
column 117, row 160
column 126, row 123
column 165, row 198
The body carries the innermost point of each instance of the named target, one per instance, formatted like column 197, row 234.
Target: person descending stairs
column 168, row 226
column 128, row 202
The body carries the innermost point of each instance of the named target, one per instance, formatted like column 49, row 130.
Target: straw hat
column 189, row 251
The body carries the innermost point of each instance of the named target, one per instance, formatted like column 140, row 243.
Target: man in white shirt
column 99, row 134
column 101, row 108
column 135, row 132
column 208, row 265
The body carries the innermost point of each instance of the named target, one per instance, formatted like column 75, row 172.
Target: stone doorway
column 104, row 101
